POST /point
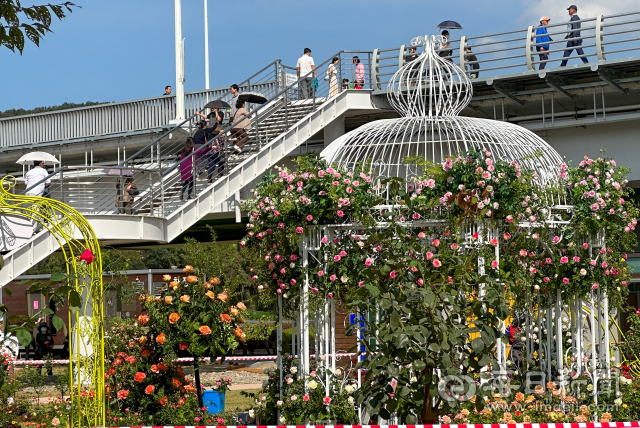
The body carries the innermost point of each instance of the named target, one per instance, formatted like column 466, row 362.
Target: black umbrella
column 449, row 25
column 219, row 104
column 253, row 97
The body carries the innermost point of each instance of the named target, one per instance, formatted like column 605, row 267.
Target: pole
column 206, row 49
column 179, row 63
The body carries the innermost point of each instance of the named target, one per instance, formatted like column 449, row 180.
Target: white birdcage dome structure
column 429, row 92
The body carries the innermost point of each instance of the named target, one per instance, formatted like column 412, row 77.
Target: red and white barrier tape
column 179, row 360
column 558, row 425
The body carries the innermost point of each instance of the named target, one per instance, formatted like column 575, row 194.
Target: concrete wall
column 621, row 140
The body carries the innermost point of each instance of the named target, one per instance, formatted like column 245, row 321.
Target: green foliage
column 64, row 106
column 13, row 30
column 302, row 402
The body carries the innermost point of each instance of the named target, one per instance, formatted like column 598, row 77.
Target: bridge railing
column 602, row 38
column 120, row 117
column 160, row 174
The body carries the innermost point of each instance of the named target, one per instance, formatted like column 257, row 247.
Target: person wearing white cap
column 542, row 42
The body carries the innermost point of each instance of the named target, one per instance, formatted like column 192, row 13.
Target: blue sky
column 117, row 50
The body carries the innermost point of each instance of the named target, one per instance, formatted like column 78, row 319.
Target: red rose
column 87, row 256
column 149, row 389
column 155, row 369
column 183, row 346
column 145, row 353
column 112, row 371
column 163, row 401
column 123, row 394
column 139, row 377
column 131, row 359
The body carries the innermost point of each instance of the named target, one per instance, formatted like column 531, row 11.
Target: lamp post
column 179, row 63
column 206, row 49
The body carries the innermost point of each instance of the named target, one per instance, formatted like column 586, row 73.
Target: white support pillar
column 279, row 339
column 179, row 62
column 304, row 310
column 559, row 335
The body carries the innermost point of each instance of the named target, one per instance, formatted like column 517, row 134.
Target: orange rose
column 210, row 294
column 142, row 297
column 168, row 300
column 185, row 298
column 234, row 311
column 143, row 340
column 161, row 338
column 188, row 269
column 174, row 284
column 123, row 394
column 215, row 280
column 143, row 319
column 207, row 285
column 139, row 377
column 223, row 296
column 163, row 401
column 205, row 330
column 241, row 306
column 176, row 382
column 192, row 279
column 157, row 299
column 155, row 369
column 145, row 353
column 239, row 333
column 174, row 317
column 190, row 388
column 225, row 318
column 149, row 389
column 149, row 298
column 162, row 366
column 166, row 278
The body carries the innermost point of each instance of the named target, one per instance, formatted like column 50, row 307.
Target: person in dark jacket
column 44, row 344
column 472, row 67
column 574, row 33
column 445, row 50
column 543, row 37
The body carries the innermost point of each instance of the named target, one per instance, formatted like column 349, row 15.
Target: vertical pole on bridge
column 179, row 63
column 206, row 51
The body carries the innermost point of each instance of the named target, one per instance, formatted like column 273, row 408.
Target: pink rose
column 320, row 273
column 333, row 278
column 437, row 263
column 565, row 280
column 309, row 217
column 564, row 260
column 299, row 230
column 368, row 262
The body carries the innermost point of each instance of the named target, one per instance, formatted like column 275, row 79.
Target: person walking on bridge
column 239, row 130
column 474, row 67
column 186, row 168
column 574, row 33
column 543, row 37
column 235, row 91
column 306, row 69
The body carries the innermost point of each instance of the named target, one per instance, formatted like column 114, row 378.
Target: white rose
column 313, row 384
column 294, row 370
column 618, row 401
column 279, row 403
column 294, row 398
column 413, row 379
column 348, row 389
column 590, row 387
column 283, row 420
column 251, row 413
column 351, row 400
column 338, row 372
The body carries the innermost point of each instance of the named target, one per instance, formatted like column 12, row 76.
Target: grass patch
column 234, row 401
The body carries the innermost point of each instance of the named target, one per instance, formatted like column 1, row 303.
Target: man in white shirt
column 304, row 68
column 235, row 91
column 35, row 176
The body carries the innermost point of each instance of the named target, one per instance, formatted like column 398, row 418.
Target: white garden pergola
column 429, row 92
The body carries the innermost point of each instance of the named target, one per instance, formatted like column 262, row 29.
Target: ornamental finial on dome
column 429, row 85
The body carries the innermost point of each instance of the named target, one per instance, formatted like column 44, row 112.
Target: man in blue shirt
column 542, row 37
column 574, row 33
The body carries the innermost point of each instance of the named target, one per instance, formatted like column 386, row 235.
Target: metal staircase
column 160, row 215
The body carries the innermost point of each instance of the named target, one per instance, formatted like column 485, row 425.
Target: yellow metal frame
column 86, row 327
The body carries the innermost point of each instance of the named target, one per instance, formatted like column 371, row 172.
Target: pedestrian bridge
column 576, row 108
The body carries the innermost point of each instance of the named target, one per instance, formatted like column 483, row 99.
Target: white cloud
column 557, row 10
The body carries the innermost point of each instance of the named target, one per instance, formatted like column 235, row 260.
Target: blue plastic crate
column 213, row 401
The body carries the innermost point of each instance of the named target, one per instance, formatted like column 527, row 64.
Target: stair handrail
column 253, row 113
column 247, row 80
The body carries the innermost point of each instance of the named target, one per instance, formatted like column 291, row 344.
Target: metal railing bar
column 613, row 42
column 623, row 50
column 613, row 24
column 617, row 15
column 615, row 33
column 500, row 50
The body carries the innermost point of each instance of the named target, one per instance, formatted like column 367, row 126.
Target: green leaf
column 434, row 347
column 47, row 311
column 419, row 365
column 9, row 292
column 477, row 345
column 75, row 302
column 58, row 323
column 58, row 277
column 24, row 337
column 394, row 321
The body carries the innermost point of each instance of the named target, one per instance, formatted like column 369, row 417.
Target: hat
column 545, row 18
column 573, row 6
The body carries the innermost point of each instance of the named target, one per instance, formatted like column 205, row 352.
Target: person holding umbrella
column 35, row 179
column 444, row 52
column 543, row 37
column 239, row 130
